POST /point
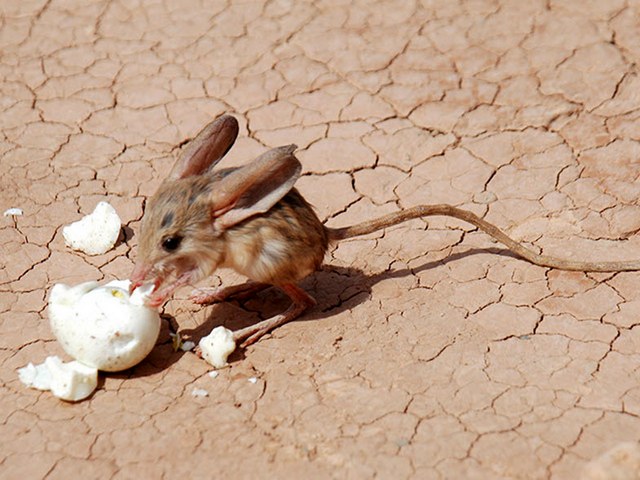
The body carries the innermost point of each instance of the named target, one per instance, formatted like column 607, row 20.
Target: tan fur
column 201, row 249
column 282, row 246
column 279, row 245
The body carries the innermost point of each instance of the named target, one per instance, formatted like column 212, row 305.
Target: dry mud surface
column 431, row 353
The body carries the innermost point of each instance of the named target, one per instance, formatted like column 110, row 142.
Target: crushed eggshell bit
column 199, row 392
column 217, row 346
column 70, row 381
column 35, row 376
column 13, row 212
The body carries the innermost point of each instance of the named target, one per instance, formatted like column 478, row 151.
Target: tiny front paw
column 155, row 301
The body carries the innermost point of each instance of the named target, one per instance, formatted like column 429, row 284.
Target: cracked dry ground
column 431, row 353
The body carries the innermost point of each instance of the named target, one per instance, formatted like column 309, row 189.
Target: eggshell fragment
column 217, row 346
column 102, row 326
column 13, row 212
column 95, row 233
column 199, row 392
column 35, row 376
column 70, row 381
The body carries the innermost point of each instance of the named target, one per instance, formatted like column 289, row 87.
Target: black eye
column 170, row 244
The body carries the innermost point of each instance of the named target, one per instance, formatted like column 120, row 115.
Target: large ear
column 209, row 146
column 254, row 188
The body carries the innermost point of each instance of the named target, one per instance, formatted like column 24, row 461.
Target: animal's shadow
column 336, row 289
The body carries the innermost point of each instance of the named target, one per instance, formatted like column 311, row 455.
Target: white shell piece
column 70, row 381
column 96, row 233
column 35, row 376
column 14, row 212
column 217, row 346
column 199, row 392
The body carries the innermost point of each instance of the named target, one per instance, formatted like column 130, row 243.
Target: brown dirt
column 431, row 354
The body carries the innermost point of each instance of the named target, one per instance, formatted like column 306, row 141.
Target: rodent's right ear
column 209, row 146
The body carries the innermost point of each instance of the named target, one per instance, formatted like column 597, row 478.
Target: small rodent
column 251, row 219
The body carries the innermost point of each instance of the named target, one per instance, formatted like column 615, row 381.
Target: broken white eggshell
column 102, row 326
column 13, row 212
column 95, row 233
column 70, row 381
column 217, row 346
column 199, row 392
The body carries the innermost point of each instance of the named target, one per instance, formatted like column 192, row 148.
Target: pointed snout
column 138, row 276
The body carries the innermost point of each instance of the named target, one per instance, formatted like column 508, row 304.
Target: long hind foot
column 301, row 301
column 206, row 296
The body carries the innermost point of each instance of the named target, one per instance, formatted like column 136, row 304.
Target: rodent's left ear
column 209, row 146
column 254, row 188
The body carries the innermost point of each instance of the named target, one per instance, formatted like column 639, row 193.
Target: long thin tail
column 469, row 217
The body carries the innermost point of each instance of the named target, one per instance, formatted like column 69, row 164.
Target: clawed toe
column 205, row 296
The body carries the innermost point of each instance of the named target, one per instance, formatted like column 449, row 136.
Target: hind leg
column 301, row 301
